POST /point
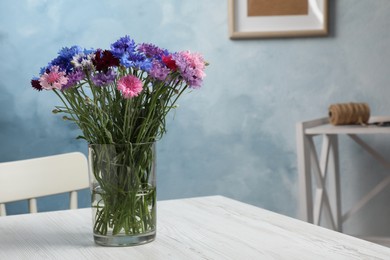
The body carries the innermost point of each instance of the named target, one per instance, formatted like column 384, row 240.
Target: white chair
column 33, row 178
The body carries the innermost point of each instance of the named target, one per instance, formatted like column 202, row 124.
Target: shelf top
column 328, row 128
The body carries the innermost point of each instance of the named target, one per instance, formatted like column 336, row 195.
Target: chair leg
column 73, row 200
column 32, row 205
column 3, row 212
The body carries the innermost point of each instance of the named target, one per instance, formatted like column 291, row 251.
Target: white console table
column 324, row 199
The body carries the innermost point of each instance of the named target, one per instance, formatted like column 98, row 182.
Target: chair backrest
column 33, row 178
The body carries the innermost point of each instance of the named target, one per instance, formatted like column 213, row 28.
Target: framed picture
column 277, row 18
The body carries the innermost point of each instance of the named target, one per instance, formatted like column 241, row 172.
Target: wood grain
column 198, row 228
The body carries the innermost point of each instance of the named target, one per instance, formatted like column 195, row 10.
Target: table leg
column 304, row 176
column 326, row 199
column 334, row 181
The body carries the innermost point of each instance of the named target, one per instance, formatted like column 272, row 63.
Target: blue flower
column 136, row 60
column 65, row 55
column 126, row 51
column 44, row 70
column 145, row 65
column 122, row 46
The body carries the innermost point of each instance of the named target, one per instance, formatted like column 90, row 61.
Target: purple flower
column 102, row 79
column 152, row 51
column 73, row 78
column 159, row 71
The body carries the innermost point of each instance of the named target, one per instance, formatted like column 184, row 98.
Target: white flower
column 83, row 61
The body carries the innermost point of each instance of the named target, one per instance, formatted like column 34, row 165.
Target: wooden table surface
column 197, row 228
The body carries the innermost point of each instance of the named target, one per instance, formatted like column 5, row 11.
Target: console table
column 325, row 200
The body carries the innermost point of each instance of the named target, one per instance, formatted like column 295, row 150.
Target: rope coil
column 349, row 114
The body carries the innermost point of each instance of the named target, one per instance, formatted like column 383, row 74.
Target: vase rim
column 92, row 144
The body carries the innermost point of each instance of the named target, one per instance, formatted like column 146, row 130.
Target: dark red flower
column 36, row 85
column 169, row 62
column 104, row 60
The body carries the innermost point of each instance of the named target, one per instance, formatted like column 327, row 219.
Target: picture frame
column 250, row 19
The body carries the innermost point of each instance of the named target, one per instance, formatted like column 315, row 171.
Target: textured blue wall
column 236, row 135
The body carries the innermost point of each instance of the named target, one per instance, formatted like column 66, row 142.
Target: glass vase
column 123, row 189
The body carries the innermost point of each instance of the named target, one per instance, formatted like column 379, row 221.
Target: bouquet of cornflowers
column 121, row 96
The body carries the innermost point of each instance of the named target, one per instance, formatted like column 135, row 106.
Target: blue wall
column 236, row 135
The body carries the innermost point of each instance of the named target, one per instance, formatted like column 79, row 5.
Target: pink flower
column 53, row 79
column 130, row 86
column 191, row 67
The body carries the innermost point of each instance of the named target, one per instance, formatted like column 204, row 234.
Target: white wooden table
column 324, row 168
column 198, row 228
